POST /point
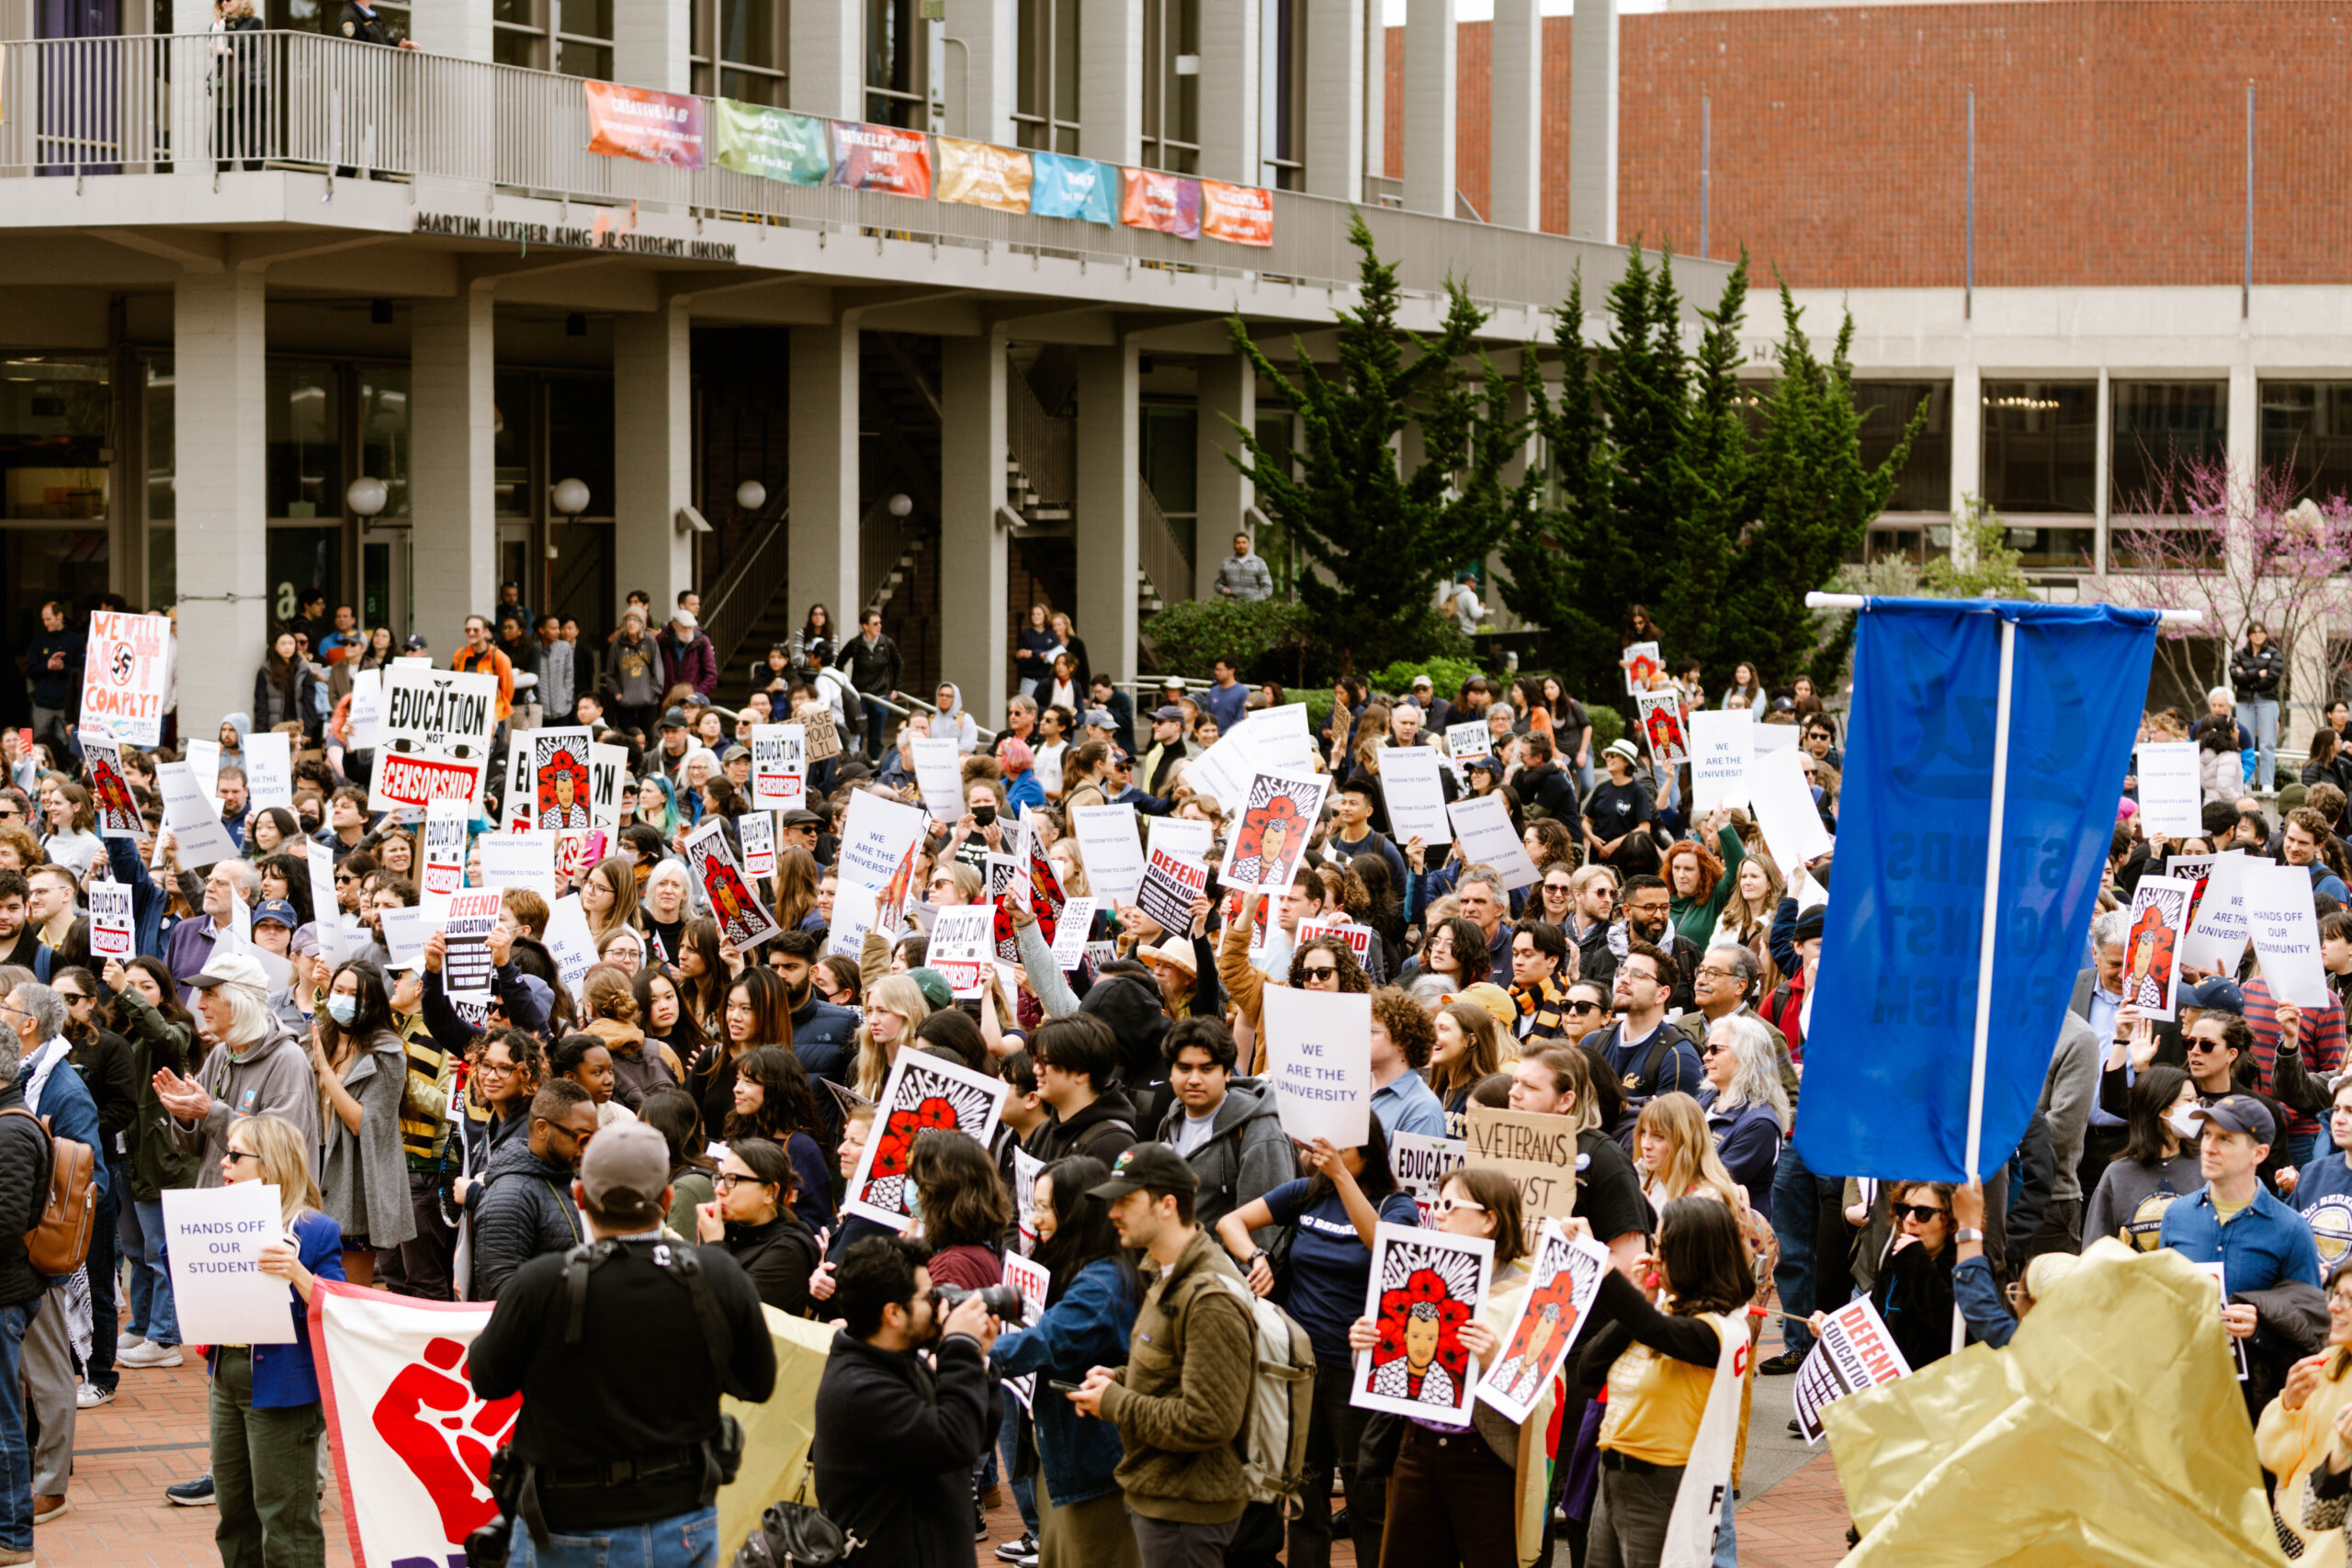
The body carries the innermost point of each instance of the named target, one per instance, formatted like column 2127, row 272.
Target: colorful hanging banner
column 636, row 122
column 881, row 157
column 1240, row 215
column 979, row 174
column 774, row 144
column 1169, row 203
column 1071, row 187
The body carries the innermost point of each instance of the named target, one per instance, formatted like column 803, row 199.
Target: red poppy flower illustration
column 1423, row 1288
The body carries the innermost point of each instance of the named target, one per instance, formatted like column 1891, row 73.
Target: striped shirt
column 2321, row 1042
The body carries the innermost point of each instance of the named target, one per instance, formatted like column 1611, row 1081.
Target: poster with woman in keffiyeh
column 924, row 1095
column 1425, row 1286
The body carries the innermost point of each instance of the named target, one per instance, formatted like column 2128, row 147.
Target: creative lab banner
column 978, row 174
column 637, row 122
column 774, row 144
column 1169, row 203
column 884, row 158
column 1072, row 188
column 1242, row 215
column 125, row 672
column 1887, row 1076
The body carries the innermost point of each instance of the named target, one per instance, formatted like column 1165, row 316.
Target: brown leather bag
column 59, row 1241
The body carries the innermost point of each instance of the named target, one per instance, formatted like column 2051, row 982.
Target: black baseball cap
column 1156, row 1165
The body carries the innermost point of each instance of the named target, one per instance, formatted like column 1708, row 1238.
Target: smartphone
column 1063, row 1387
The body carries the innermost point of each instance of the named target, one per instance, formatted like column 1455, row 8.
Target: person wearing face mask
column 2157, row 1165
column 362, row 1073
column 2219, row 1047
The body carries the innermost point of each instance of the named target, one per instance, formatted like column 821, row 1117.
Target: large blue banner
column 1889, row 1051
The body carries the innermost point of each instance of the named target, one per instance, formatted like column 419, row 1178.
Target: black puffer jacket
column 523, row 1210
column 24, row 1186
column 779, row 1257
column 2255, row 672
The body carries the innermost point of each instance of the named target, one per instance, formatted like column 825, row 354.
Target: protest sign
column 111, row 797
column 1537, row 1152
column 779, row 767
column 466, row 967
column 1035, row 1281
column 1562, row 1283
column 1186, row 838
column 1071, row 187
column 923, row 1094
column 1463, row 741
column 214, row 1238
column 1275, row 826
column 1721, row 742
column 1853, row 1352
column 1170, row 885
column 194, row 819
column 1774, row 737
column 1026, row 1168
column 569, row 943
column 770, row 142
column 1661, row 720
column 742, row 919
column 1641, row 664
column 977, row 175
column 1358, row 938
column 757, row 830
column 854, row 910
column 441, row 853
column 438, row 725
column 961, row 936
column 519, row 860
column 1318, row 1059
column 126, row 670
column 876, row 836
column 560, row 794
column 270, row 769
column 1416, row 795
column 1111, row 853
column 1240, row 215
column 1483, row 824
column 1781, row 800
column 1169, row 203
column 2172, row 794
column 821, row 737
column 2284, row 925
column 366, row 712
column 881, row 157
column 111, row 933
column 643, row 123
column 1425, row 1287
column 1420, row 1164
column 938, row 768
column 2193, row 870
column 323, row 903
column 1069, row 932
column 204, row 756
column 608, row 776
column 405, row 931
column 2152, row 953
column 2217, row 932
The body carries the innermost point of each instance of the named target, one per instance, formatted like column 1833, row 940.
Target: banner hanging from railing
column 636, row 122
column 774, row 144
column 881, row 157
column 1240, row 215
column 1169, row 203
column 978, row 174
column 1072, row 188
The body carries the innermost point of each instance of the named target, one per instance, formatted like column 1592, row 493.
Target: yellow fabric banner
column 979, row 175
column 2109, row 1433
column 776, row 1434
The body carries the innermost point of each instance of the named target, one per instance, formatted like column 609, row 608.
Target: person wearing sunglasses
column 1913, row 1292
column 2220, row 1056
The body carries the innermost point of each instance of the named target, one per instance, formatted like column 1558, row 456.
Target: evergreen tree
column 1381, row 541
column 1712, row 498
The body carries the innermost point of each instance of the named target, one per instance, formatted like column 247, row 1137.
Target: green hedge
column 1447, row 675
column 1189, row 635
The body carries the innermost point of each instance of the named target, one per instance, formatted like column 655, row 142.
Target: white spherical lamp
column 570, row 497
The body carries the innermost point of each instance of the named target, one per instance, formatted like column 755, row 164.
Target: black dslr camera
column 1004, row 1303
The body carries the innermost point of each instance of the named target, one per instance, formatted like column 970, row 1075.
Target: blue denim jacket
column 285, row 1378
column 1088, row 1327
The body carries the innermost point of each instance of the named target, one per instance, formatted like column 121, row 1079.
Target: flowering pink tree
column 2269, row 555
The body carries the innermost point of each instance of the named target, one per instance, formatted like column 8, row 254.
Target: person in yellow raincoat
column 2298, row 1430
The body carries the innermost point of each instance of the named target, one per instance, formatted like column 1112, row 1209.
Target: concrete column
column 452, row 353
column 1429, row 106
column 1334, row 88
column 2243, row 440
column 2102, row 475
column 1967, row 436
column 972, row 555
column 1110, row 86
column 1515, row 186
column 191, row 123
column 1109, row 462
column 828, row 58
column 461, row 29
column 1371, row 26
column 982, row 66
column 1227, row 390
column 653, row 453
column 652, row 44
column 1231, row 47
column 219, row 409
column 1592, row 123
column 821, row 461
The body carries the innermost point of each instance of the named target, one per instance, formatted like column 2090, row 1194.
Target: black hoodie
column 1131, row 1007
column 1105, row 1129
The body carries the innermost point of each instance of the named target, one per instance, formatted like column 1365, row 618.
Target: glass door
column 384, row 562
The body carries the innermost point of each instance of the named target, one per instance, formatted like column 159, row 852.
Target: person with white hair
column 257, row 1066
column 194, row 942
column 1746, row 1104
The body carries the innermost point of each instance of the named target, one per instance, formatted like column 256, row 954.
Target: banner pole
column 1992, row 898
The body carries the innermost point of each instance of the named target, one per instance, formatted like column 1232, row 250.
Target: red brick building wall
column 2110, row 138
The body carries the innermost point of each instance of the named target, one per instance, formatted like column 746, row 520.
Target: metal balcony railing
column 197, row 102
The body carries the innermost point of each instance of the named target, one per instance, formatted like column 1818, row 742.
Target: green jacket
column 1180, row 1401
column 1697, row 918
column 155, row 1043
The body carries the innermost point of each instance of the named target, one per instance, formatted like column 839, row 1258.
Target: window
column 1282, row 95
column 511, row 489
column 751, row 43
column 383, row 433
column 1171, row 86
column 1171, row 455
column 2158, row 427
column 898, row 65
column 2307, row 426
column 1045, row 112
column 2041, row 440
column 303, row 449
column 580, row 436
column 574, row 37
column 1886, row 408
column 53, row 412
column 316, row 16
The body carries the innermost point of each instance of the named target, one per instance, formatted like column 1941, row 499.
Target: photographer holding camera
column 897, row 1438
column 621, row 1349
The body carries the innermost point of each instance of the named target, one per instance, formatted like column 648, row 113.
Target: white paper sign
column 214, row 1237
column 1721, row 745
column 110, row 921
column 323, row 904
column 125, row 674
column 2284, row 925
column 405, row 933
column 1420, row 1164
column 1854, row 1352
column 757, row 830
column 2216, row 941
column 466, row 968
column 1425, row 1286
column 204, row 757
column 1270, row 834
column 876, row 836
column 607, row 777
column 519, row 860
column 367, row 711
column 1463, row 741
column 938, row 769
column 854, row 912
column 1069, row 932
column 1035, row 1281
column 1416, row 796
column 962, row 938
column 1186, row 838
column 779, row 767
column 438, row 725
column 194, row 819
column 711, row 866
column 441, row 853
column 1112, row 852
column 569, row 943
column 1784, row 809
column 2171, row 792
column 1483, row 823
column 1318, row 1059
column 1562, row 1283
column 923, row 1094
column 1774, row 737
column 269, row 769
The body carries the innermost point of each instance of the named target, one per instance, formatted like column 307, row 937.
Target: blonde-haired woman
column 1676, row 1156
column 895, row 1007
column 266, row 1419
column 1756, row 889
column 608, row 894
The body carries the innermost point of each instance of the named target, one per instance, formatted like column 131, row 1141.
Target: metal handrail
column 761, row 568
column 1045, row 444
column 1158, row 550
